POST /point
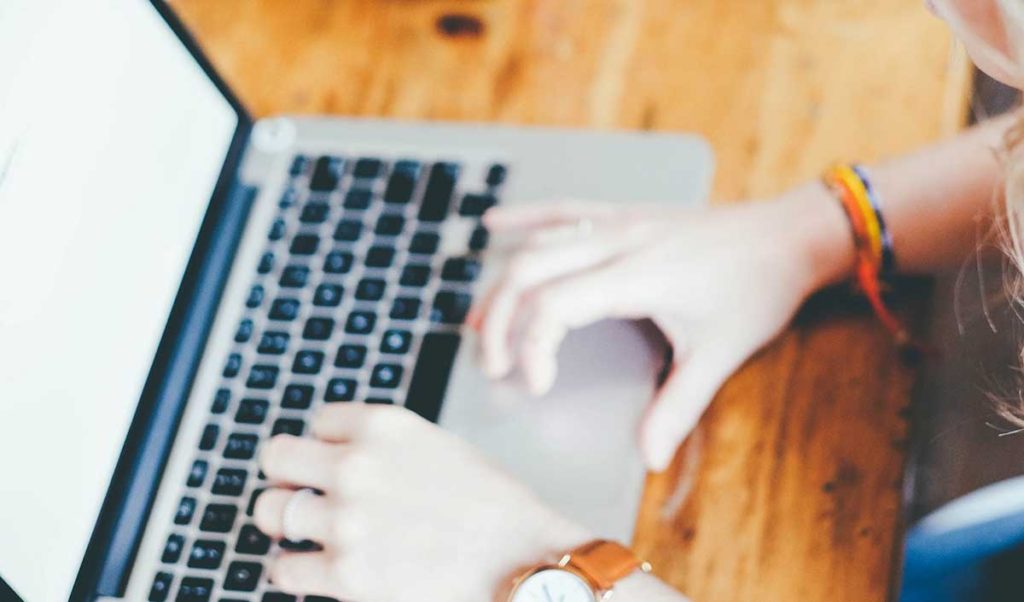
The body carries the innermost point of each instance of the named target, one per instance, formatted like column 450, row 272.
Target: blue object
column 972, row 549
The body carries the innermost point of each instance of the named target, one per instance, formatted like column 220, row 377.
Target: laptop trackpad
column 575, row 447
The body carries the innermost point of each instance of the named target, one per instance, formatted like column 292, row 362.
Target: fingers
column 344, row 422
column 542, row 215
column 300, row 461
column 305, row 573
column 527, row 270
column 560, row 306
column 681, row 402
column 307, row 516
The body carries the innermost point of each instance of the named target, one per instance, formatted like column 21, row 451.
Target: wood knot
column 460, row 25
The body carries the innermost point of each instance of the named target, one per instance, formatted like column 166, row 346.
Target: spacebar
column 430, row 377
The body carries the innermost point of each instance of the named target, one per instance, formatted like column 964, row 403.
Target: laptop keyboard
column 355, row 300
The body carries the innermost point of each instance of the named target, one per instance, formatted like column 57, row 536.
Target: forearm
column 646, row 588
column 935, row 202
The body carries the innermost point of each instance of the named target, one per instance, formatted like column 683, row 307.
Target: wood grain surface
column 790, row 489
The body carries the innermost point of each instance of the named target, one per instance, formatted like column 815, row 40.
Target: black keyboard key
column 299, row 546
column 288, row 426
column 438, row 196
column 360, row 322
column 186, row 509
column 402, row 183
column 208, row 440
column 233, row 365
column 284, row 309
column 279, row 597
column 318, row 329
column 221, row 399
column 424, row 243
column 358, row 198
column 338, row 262
column 297, row 397
column 308, row 362
column 305, row 244
column 348, row 230
column 288, row 199
column 206, row 554
column 197, row 474
column 255, row 298
column 416, row 275
column 273, row 342
column 251, row 507
column 460, row 269
column 266, row 263
column 262, row 377
column 430, row 377
column 161, row 587
column 405, row 308
column 218, row 518
column 478, row 239
column 379, row 256
column 244, row 332
column 319, row 599
column 496, row 175
column 294, row 276
column 328, row 295
column 194, row 589
column 327, row 173
column 252, row 411
column 350, row 356
column 340, row 389
column 380, row 401
column 475, row 205
column 241, row 446
column 277, row 230
column 370, row 289
column 315, row 213
column 389, row 225
column 173, row 549
column 299, row 165
column 242, row 576
column 229, row 481
column 252, row 541
column 396, row 341
column 450, row 307
column 386, row 376
column 368, row 168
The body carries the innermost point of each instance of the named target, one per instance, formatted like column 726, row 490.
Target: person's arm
column 936, row 203
column 720, row 283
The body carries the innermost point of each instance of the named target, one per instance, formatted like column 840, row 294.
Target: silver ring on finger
column 289, row 515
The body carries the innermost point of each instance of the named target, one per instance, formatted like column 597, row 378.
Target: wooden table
column 791, row 487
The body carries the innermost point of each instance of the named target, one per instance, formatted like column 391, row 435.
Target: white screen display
column 111, row 141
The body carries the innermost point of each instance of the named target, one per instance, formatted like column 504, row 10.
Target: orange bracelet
column 865, row 227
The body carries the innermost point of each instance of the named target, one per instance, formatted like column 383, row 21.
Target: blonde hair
column 1007, row 64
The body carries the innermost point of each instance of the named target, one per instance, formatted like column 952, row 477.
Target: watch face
column 553, row 585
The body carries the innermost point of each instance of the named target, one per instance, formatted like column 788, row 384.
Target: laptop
column 182, row 281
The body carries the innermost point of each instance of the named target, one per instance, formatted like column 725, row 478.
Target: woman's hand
column 408, row 512
column 720, row 283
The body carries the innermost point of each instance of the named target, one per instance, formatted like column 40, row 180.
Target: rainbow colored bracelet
column 872, row 240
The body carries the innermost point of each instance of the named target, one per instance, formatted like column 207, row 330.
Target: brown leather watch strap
column 604, row 562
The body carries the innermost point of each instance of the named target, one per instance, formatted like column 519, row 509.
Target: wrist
column 544, row 540
column 816, row 226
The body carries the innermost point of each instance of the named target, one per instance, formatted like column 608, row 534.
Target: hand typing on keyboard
column 408, row 512
column 719, row 283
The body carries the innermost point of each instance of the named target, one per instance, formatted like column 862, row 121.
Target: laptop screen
column 111, row 141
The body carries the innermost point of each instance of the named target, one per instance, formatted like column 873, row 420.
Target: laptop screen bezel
column 106, row 565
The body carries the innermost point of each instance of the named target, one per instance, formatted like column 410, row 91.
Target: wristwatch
column 586, row 574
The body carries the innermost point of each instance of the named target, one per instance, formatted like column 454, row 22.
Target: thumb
column 677, row 407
